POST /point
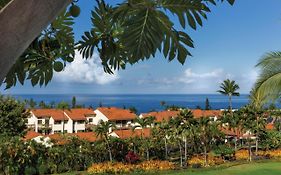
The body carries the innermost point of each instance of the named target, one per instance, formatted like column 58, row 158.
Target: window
column 57, row 131
column 80, row 122
column 57, row 122
column 90, row 120
column 39, row 122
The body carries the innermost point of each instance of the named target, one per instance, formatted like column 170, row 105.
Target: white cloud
column 85, row 71
column 192, row 77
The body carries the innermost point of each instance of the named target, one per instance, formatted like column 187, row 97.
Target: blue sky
column 228, row 45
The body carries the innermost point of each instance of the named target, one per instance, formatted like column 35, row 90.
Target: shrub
column 153, row 165
column 198, row 161
column 132, row 157
column 120, row 168
column 242, row 154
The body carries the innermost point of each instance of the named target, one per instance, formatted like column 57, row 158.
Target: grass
column 257, row 168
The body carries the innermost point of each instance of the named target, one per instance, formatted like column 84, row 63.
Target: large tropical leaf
column 268, row 83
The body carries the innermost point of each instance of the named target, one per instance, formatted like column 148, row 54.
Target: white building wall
column 99, row 116
column 32, row 120
column 79, row 127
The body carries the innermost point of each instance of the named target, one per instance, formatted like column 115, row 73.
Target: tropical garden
column 237, row 137
column 182, row 142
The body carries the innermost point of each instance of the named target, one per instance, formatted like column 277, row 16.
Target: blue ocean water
column 142, row 102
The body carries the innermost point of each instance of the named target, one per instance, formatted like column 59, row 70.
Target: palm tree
column 188, row 123
column 268, row 83
column 175, row 134
column 207, row 132
column 144, row 123
column 229, row 88
column 102, row 130
column 163, row 130
column 257, row 99
column 232, row 122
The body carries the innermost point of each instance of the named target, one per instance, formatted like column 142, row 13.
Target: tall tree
column 73, row 101
column 207, row 104
column 144, row 123
column 229, row 88
column 102, row 130
column 207, row 133
column 13, row 116
column 32, row 104
column 232, row 122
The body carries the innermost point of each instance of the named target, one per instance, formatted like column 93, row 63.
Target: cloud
column 190, row 77
column 85, row 71
column 190, row 81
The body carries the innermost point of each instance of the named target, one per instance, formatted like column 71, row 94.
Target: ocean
column 142, row 102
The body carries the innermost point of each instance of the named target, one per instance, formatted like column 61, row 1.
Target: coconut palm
column 207, row 132
column 102, row 130
column 229, row 88
column 163, row 131
column 268, row 83
column 188, row 124
column 232, row 122
column 143, row 123
column 257, row 99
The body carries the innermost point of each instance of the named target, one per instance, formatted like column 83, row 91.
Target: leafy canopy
column 229, row 87
column 13, row 117
column 122, row 34
column 268, row 84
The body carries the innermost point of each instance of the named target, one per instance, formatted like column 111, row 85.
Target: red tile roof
column 56, row 114
column 162, row 115
column 31, row 134
column 197, row 113
column 63, row 138
column 124, row 134
column 79, row 114
column 113, row 113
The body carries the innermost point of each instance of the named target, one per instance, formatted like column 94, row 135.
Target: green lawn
column 265, row 168
column 269, row 168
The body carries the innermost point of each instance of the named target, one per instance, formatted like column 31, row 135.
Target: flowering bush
column 120, row 168
column 155, row 165
column 242, row 154
column 198, row 161
column 132, row 157
column 271, row 153
column 112, row 168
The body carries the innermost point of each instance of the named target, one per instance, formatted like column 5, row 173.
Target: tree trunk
column 147, row 154
column 185, row 149
column 257, row 145
column 250, row 150
column 109, row 151
column 21, row 22
column 230, row 103
column 166, row 148
column 180, row 154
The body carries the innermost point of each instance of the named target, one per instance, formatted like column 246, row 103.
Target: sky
column 229, row 45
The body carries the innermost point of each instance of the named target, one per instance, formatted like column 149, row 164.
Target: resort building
column 213, row 114
column 197, row 113
column 50, row 121
column 123, row 118
column 161, row 115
